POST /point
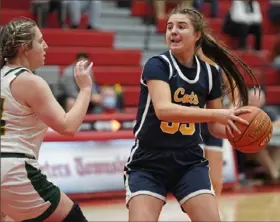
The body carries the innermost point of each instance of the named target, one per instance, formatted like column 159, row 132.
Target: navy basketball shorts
column 209, row 141
column 157, row 172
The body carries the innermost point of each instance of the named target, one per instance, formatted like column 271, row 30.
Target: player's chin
column 176, row 49
column 40, row 64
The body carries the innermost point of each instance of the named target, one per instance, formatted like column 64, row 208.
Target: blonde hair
column 14, row 34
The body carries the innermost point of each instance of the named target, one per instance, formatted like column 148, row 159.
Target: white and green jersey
column 21, row 129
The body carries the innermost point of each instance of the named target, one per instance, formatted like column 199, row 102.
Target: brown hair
column 13, row 35
column 220, row 55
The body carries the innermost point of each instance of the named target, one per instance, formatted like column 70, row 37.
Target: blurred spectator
column 70, row 87
column 274, row 11
column 275, row 54
column 91, row 7
column 160, row 7
column 214, row 6
column 104, row 99
column 269, row 156
column 109, row 99
column 244, row 18
column 42, row 8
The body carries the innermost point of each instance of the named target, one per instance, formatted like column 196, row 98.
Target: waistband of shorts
column 16, row 155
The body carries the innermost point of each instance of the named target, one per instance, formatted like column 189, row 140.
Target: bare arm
column 167, row 111
column 39, row 97
column 216, row 129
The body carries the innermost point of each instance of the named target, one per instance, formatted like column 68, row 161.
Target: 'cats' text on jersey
column 181, row 97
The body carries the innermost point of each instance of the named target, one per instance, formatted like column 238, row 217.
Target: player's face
column 36, row 55
column 180, row 33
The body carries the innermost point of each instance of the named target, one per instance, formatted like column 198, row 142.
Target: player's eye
column 183, row 26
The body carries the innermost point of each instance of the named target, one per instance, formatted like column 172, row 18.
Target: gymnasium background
column 90, row 164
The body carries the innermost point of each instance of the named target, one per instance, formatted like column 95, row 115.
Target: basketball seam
column 249, row 125
column 261, row 137
column 255, row 141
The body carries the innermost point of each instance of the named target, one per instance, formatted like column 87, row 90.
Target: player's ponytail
column 222, row 56
column 228, row 62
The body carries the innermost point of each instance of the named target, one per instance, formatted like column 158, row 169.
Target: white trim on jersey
column 210, row 77
column 141, row 79
column 170, row 69
column 170, row 66
column 180, row 72
column 144, row 114
column 132, row 154
column 149, row 97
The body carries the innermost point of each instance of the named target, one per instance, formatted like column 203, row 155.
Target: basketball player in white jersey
column 28, row 108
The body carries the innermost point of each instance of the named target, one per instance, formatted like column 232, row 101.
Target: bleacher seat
column 78, row 38
column 100, row 57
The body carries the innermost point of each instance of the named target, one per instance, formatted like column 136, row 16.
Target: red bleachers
column 127, row 76
column 8, row 14
column 78, row 38
column 15, row 4
column 273, row 94
column 271, row 77
column 131, row 95
column 101, row 57
column 123, row 66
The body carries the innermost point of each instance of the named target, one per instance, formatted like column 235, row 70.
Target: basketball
column 254, row 136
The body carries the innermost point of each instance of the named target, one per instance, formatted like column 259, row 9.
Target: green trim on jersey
column 19, row 72
column 16, row 155
column 11, row 70
column 47, row 191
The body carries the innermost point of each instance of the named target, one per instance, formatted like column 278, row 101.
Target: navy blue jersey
column 189, row 87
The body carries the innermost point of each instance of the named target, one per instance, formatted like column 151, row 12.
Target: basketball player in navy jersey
column 175, row 88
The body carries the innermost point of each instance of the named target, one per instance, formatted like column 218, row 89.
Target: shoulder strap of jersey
column 166, row 57
column 15, row 71
column 210, row 77
column 169, row 64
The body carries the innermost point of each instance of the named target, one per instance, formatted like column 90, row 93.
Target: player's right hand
column 82, row 74
column 228, row 117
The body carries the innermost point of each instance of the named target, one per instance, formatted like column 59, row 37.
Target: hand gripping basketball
column 229, row 118
column 253, row 136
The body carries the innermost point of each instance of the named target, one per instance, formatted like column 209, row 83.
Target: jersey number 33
column 186, row 129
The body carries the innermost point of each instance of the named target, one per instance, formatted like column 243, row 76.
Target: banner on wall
column 92, row 166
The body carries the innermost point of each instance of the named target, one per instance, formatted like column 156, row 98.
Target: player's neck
column 18, row 62
column 186, row 58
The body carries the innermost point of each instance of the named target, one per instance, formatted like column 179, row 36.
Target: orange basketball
column 254, row 136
